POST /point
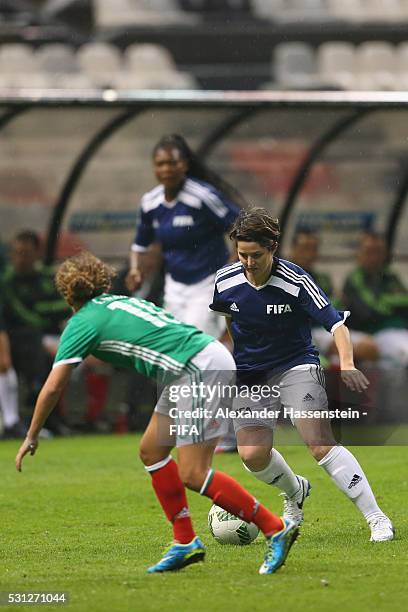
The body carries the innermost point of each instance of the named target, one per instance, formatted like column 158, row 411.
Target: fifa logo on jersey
column 277, row 308
column 183, row 221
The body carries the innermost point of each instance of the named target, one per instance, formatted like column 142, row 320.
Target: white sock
column 278, row 474
column 9, row 397
column 346, row 472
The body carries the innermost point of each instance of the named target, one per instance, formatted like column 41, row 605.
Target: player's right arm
column 134, row 277
column 78, row 340
column 46, row 402
column 353, row 378
column 143, row 239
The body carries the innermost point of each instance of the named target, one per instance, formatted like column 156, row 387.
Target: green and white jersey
column 130, row 333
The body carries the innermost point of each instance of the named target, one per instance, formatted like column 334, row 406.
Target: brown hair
column 256, row 225
column 83, row 277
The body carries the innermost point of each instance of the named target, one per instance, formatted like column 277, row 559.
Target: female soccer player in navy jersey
column 269, row 304
column 188, row 213
column 133, row 333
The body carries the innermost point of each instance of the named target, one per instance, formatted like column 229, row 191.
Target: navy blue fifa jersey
column 190, row 229
column 271, row 324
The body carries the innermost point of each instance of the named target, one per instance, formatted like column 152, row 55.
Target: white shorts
column 190, row 304
column 192, row 412
column 301, row 388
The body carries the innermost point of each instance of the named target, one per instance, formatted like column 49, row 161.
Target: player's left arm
column 46, row 402
column 318, row 306
column 353, row 378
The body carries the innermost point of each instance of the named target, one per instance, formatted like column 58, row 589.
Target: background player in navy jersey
column 269, row 304
column 133, row 333
column 188, row 213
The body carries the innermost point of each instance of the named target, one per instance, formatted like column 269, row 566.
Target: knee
column 150, row 456
column 144, row 455
column 255, row 458
column 318, row 451
column 192, row 477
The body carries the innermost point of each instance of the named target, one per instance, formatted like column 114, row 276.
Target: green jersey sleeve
column 78, row 340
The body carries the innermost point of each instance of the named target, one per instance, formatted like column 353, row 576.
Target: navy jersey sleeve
column 318, row 306
column 219, row 209
column 218, row 305
column 144, row 232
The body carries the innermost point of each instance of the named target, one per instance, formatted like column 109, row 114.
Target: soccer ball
column 229, row 529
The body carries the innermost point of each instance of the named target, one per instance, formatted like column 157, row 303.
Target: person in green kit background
column 378, row 300
column 305, row 253
column 34, row 315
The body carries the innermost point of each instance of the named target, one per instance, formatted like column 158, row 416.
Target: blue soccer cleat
column 279, row 546
column 179, row 556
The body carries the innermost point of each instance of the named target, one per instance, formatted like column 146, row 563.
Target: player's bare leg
column 255, row 447
column 155, row 445
column 347, row 474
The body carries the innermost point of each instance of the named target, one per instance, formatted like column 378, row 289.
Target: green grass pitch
column 82, row 518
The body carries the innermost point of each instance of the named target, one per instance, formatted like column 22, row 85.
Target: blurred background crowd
column 34, row 315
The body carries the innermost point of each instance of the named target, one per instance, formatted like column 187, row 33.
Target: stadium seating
column 322, row 10
column 336, row 65
column 401, row 56
column 303, row 11
column 100, row 62
column 94, row 65
column 57, row 59
column 378, row 10
column 347, row 10
column 365, row 11
column 19, row 67
column 268, row 9
column 59, row 64
column 147, row 57
column 375, row 65
column 372, row 65
column 294, row 66
column 375, row 62
column 149, row 66
column 131, row 12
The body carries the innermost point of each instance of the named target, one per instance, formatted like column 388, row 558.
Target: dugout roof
column 74, row 164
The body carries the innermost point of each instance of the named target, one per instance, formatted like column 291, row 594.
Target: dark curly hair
column 198, row 169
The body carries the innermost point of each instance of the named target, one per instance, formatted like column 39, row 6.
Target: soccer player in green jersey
column 133, row 333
